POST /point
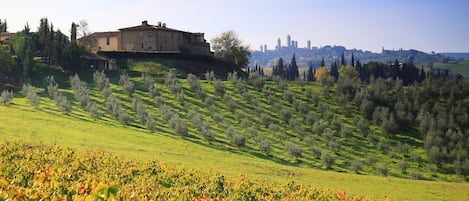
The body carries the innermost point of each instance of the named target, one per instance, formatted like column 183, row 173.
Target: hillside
column 269, row 132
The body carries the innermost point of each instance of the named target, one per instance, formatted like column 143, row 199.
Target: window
column 141, row 45
column 108, row 41
column 149, row 34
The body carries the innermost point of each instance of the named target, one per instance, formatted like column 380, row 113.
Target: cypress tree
column 342, row 60
column 293, row 73
column 334, row 71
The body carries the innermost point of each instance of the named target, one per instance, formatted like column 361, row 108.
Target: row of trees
column 3, row 26
column 288, row 72
column 54, row 48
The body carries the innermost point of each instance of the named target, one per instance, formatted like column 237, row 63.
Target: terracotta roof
column 150, row 27
column 107, row 33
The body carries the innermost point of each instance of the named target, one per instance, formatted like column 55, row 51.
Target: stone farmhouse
column 151, row 38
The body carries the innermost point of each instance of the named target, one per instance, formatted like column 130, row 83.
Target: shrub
column 345, row 132
column 6, row 97
column 288, row 95
column 209, row 76
column 318, row 127
column 316, row 152
column 327, row 159
column 31, row 96
column 265, row 120
column 382, row 169
column 239, row 140
column 208, row 101
column 93, row 109
column 101, row 80
column 153, row 91
column 53, row 91
column 356, row 166
column 124, row 82
column 294, row 150
column 64, row 105
column 256, row 80
column 309, row 140
column 193, row 82
column 148, row 81
column 415, row 156
column 285, row 114
column 178, row 125
column 172, row 82
column 415, row 174
column 49, row 80
column 264, row 145
column 219, row 87
column 207, row 132
column 403, row 165
column 371, row 160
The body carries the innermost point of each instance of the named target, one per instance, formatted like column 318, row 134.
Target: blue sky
column 431, row 25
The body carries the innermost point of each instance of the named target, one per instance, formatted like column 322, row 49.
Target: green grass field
column 461, row 67
column 22, row 122
column 47, row 125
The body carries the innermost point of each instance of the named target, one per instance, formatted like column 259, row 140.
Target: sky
column 426, row 25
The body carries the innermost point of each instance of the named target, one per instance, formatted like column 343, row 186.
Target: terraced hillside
column 268, row 129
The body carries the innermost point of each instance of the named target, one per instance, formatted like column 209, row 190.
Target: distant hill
column 334, row 53
column 457, row 55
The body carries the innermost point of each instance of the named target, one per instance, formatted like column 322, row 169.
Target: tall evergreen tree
column 310, row 74
column 342, row 60
column 422, row 75
column 293, row 73
column 322, row 62
column 353, row 60
column 73, row 33
column 279, row 68
column 24, row 47
column 334, row 71
column 3, row 26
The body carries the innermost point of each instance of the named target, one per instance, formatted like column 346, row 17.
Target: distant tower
column 262, row 48
column 308, row 44
column 279, row 44
column 289, row 41
column 265, row 47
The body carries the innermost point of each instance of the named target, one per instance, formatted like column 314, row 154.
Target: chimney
column 144, row 23
column 159, row 24
column 164, row 25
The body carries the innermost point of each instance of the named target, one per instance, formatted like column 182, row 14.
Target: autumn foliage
column 40, row 172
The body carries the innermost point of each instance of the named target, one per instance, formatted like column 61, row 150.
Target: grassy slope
column 20, row 121
column 461, row 67
column 47, row 125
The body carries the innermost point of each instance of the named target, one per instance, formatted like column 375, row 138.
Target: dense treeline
column 52, row 46
column 399, row 97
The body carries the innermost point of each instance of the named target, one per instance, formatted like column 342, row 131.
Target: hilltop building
column 5, row 37
column 150, row 38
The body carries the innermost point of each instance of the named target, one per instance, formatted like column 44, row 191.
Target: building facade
column 151, row 38
column 106, row 41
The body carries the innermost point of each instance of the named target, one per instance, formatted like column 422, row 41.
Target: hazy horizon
column 430, row 25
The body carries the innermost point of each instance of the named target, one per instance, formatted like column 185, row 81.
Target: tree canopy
column 229, row 48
